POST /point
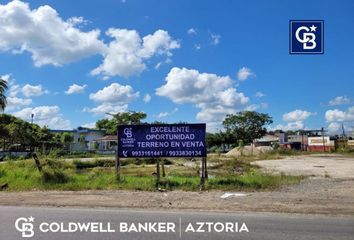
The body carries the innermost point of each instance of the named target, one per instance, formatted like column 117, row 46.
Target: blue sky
column 197, row 60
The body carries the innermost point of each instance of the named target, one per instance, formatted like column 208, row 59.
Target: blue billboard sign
column 161, row 140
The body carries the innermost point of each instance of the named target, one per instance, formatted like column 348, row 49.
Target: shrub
column 54, row 176
column 2, row 173
column 54, row 164
column 92, row 164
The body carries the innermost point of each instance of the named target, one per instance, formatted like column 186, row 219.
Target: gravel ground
column 317, row 195
column 334, row 166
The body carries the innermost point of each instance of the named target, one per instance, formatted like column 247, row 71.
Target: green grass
column 74, row 175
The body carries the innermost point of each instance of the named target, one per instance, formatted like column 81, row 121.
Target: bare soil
column 331, row 193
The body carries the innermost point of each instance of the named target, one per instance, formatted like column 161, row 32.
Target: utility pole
column 343, row 132
column 323, row 141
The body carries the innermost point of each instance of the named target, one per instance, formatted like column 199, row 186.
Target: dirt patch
column 334, row 166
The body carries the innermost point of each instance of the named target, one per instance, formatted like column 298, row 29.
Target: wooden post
column 163, row 168
column 157, row 172
column 205, row 168
column 117, row 165
column 202, row 178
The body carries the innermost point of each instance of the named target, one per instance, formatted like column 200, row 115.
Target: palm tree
column 3, row 87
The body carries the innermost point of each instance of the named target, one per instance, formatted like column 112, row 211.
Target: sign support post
column 163, row 168
column 202, row 178
column 157, row 172
column 205, row 168
column 117, row 167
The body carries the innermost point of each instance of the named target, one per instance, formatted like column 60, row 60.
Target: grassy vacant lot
column 224, row 174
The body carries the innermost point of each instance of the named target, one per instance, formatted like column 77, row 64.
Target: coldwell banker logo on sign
column 306, row 37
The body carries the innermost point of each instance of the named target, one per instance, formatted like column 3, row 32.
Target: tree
column 67, row 138
column 110, row 125
column 247, row 125
column 3, row 88
column 128, row 118
column 19, row 134
column 124, row 118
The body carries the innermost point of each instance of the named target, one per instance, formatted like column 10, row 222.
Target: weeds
column 92, row 164
column 55, row 176
column 229, row 174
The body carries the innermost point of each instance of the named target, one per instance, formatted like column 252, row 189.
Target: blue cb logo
column 306, row 37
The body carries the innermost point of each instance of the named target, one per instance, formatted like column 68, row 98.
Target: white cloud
column 260, row 94
column 215, row 38
column 337, row 128
column 76, row 89
column 165, row 114
column 159, row 64
column 56, row 41
column 107, row 108
column 126, row 55
column 15, row 102
column 213, row 94
column 115, row 93
column 340, row 100
column 91, row 125
column 337, row 117
column 291, row 126
column 44, row 116
column 197, row 46
column 252, row 107
column 244, row 73
column 214, row 114
column 113, row 98
column 13, row 88
column 147, row 98
column 255, row 107
column 33, row 90
column 340, row 116
column 295, row 120
column 162, row 114
column 189, row 86
column 264, row 105
column 297, row 115
column 192, row 31
column 334, row 127
column 6, row 77
column 44, row 34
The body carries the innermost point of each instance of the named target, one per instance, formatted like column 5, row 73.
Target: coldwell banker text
column 26, row 227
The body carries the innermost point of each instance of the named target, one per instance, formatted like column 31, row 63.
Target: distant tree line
column 19, row 135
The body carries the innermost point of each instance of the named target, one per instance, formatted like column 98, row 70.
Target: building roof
column 267, row 138
column 107, row 138
column 79, row 130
